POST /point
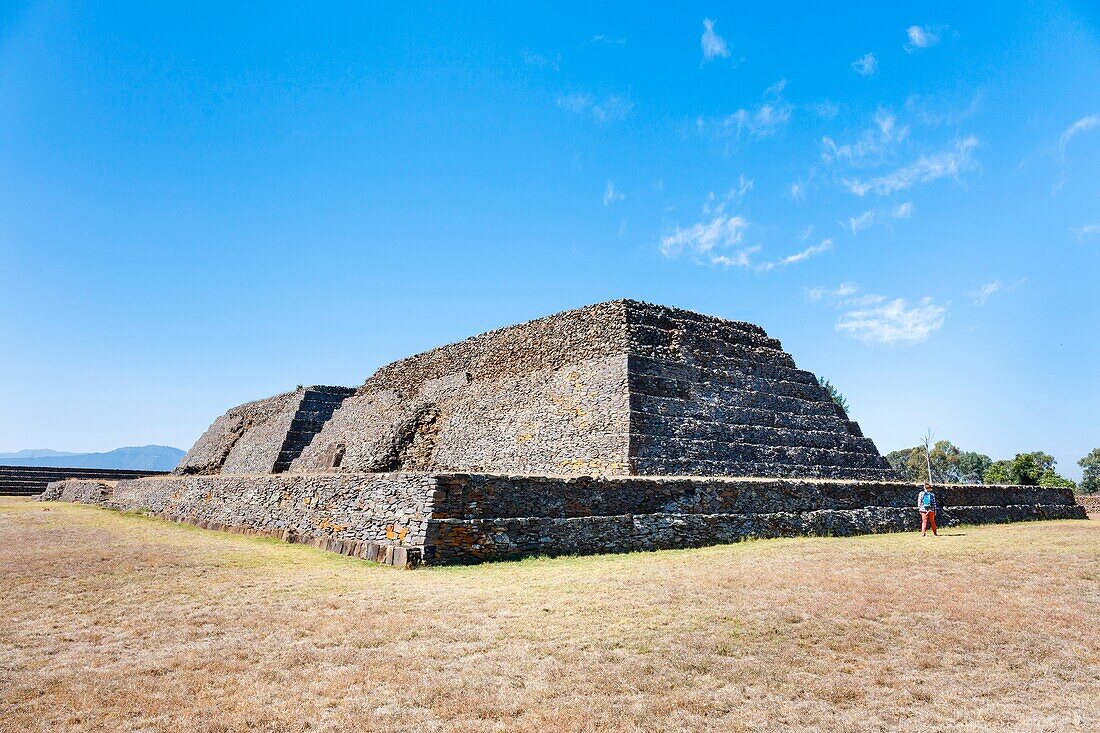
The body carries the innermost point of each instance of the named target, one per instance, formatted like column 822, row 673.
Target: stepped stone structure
column 618, row 426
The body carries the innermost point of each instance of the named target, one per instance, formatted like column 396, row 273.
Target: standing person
column 926, row 505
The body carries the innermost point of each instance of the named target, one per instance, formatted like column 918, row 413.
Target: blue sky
column 205, row 205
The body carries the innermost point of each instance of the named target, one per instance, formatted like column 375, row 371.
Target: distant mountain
column 137, row 458
column 36, row 453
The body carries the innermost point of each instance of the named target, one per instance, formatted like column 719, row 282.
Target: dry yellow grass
column 115, row 622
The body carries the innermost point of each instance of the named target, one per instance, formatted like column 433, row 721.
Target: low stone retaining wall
column 1091, row 502
column 459, row 541
column 479, row 496
column 413, row 517
column 80, row 491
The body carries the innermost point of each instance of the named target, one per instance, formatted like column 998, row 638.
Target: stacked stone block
column 612, row 389
column 409, row 518
column 264, row 436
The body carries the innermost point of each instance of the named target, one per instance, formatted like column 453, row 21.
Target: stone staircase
column 28, row 480
column 315, row 409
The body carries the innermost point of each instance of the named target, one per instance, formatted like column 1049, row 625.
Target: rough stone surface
column 617, row 427
column 262, row 436
column 413, row 517
column 1091, row 502
column 611, row 389
column 81, row 491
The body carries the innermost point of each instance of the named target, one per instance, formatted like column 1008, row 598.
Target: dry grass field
column 116, row 622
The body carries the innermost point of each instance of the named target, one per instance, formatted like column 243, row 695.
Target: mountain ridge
column 138, row 458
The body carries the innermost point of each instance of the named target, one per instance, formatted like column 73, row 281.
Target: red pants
column 927, row 518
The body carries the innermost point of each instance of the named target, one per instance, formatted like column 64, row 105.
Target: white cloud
column 608, row 40
column 920, row 37
column 611, row 195
column 1085, row 231
column 893, row 322
column 542, row 62
column 983, row 293
column 826, row 109
column 843, row 290
column 865, row 65
column 740, row 259
column 944, row 164
column 704, row 238
column 612, row 107
column 876, row 319
column 987, row 290
column 797, row 190
column 873, row 145
column 761, row 120
column 938, row 112
column 861, row 222
column 776, row 89
column 1081, row 125
column 824, row 246
column 902, row 211
column 714, row 46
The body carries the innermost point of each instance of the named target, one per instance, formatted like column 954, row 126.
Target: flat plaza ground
column 118, row 622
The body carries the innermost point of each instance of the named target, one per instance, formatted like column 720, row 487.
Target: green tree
column 912, row 464
column 1090, row 480
column 839, row 399
column 998, row 473
column 972, row 467
column 1051, row 479
column 1027, row 469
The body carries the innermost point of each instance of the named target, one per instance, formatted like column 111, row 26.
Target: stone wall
column 479, row 496
column 80, row 491
column 451, row 518
column 1091, row 503
column 476, row 540
column 615, row 388
column 711, row 397
column 549, row 396
column 262, row 436
column 385, row 508
column 30, row 480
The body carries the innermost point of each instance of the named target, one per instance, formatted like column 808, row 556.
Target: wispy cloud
column 826, row 109
column 704, row 237
column 944, row 164
column 859, row 223
column 1085, row 231
column 608, row 40
column 718, row 239
column 714, row 46
column 985, row 292
column 895, row 322
column 873, row 146
column 824, row 246
column 762, row 120
column 542, row 62
column 611, row 194
column 920, row 37
column 1082, row 125
column 797, row 190
column 876, row 319
column 865, row 65
column 612, row 107
column 942, row 112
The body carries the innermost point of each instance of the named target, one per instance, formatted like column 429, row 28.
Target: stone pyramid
column 616, row 388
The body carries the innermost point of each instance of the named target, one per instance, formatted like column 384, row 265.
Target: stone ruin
column 615, row 427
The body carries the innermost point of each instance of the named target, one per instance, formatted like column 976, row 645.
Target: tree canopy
column 1090, row 481
column 951, row 465
column 840, row 400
